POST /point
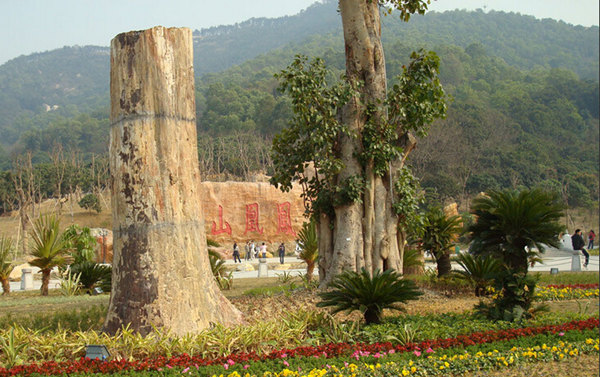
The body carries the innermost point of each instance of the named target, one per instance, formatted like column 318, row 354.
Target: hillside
column 37, row 89
column 523, row 112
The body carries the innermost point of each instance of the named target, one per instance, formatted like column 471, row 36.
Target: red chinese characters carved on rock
column 223, row 225
column 284, row 219
column 252, row 216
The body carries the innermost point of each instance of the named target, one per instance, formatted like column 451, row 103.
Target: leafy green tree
column 82, row 244
column 310, row 247
column 90, row 202
column 6, row 259
column 369, row 294
column 440, row 233
column 49, row 248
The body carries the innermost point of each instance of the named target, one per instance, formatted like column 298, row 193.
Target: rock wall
column 242, row 211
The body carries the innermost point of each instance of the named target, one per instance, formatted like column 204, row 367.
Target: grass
column 567, row 277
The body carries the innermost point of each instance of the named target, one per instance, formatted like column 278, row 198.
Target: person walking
column 252, row 250
column 578, row 244
column 591, row 238
column 247, row 251
column 263, row 250
column 236, row 253
column 281, row 251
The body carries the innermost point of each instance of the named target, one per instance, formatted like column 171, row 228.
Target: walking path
column 553, row 258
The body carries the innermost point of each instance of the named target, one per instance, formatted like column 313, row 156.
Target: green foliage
column 411, row 258
column 92, row 275
column 49, row 247
column 514, row 302
column 509, row 225
column 440, row 233
column 479, row 271
column 409, row 197
column 217, row 264
column 369, row 294
column 90, row 317
column 307, row 237
column 69, row 283
column 81, row 243
column 312, row 133
column 6, row 261
column 90, row 202
column 507, row 222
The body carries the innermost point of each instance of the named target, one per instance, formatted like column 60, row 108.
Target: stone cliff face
column 242, row 211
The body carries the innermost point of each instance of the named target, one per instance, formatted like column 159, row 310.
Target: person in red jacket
column 591, row 238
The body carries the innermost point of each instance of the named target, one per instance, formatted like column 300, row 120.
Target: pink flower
column 391, row 351
column 417, row 353
column 286, row 363
column 561, row 333
column 346, row 364
column 284, row 354
column 246, row 366
column 230, row 362
column 185, row 370
column 429, row 350
column 170, row 367
column 226, row 366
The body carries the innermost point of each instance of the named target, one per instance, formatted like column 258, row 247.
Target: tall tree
column 359, row 149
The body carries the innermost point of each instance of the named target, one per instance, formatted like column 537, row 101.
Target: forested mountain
column 524, row 108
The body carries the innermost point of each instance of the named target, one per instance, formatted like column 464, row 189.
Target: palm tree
column 49, row 248
column 509, row 223
column 369, row 294
column 440, row 233
column 6, row 266
column 310, row 247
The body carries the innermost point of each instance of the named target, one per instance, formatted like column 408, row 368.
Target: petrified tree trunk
column 161, row 272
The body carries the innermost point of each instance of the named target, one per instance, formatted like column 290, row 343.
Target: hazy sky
column 30, row 26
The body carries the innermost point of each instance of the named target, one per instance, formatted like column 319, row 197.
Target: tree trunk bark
column 5, row 286
column 45, row 281
column 443, row 263
column 161, row 272
column 365, row 232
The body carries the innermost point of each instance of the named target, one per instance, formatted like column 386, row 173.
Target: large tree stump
column 161, row 272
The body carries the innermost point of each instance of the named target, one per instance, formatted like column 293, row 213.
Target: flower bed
column 567, row 292
column 327, row 351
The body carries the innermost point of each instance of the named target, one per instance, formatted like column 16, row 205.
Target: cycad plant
column 440, row 233
column 6, row 266
column 508, row 225
column 49, row 248
column 479, row 271
column 92, row 275
column 310, row 247
column 369, row 294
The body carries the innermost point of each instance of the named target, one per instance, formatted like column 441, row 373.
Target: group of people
column 579, row 243
column 252, row 251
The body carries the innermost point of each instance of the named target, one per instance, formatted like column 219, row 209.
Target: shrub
column 93, row 274
column 90, row 202
column 479, row 271
column 6, row 266
column 369, row 294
